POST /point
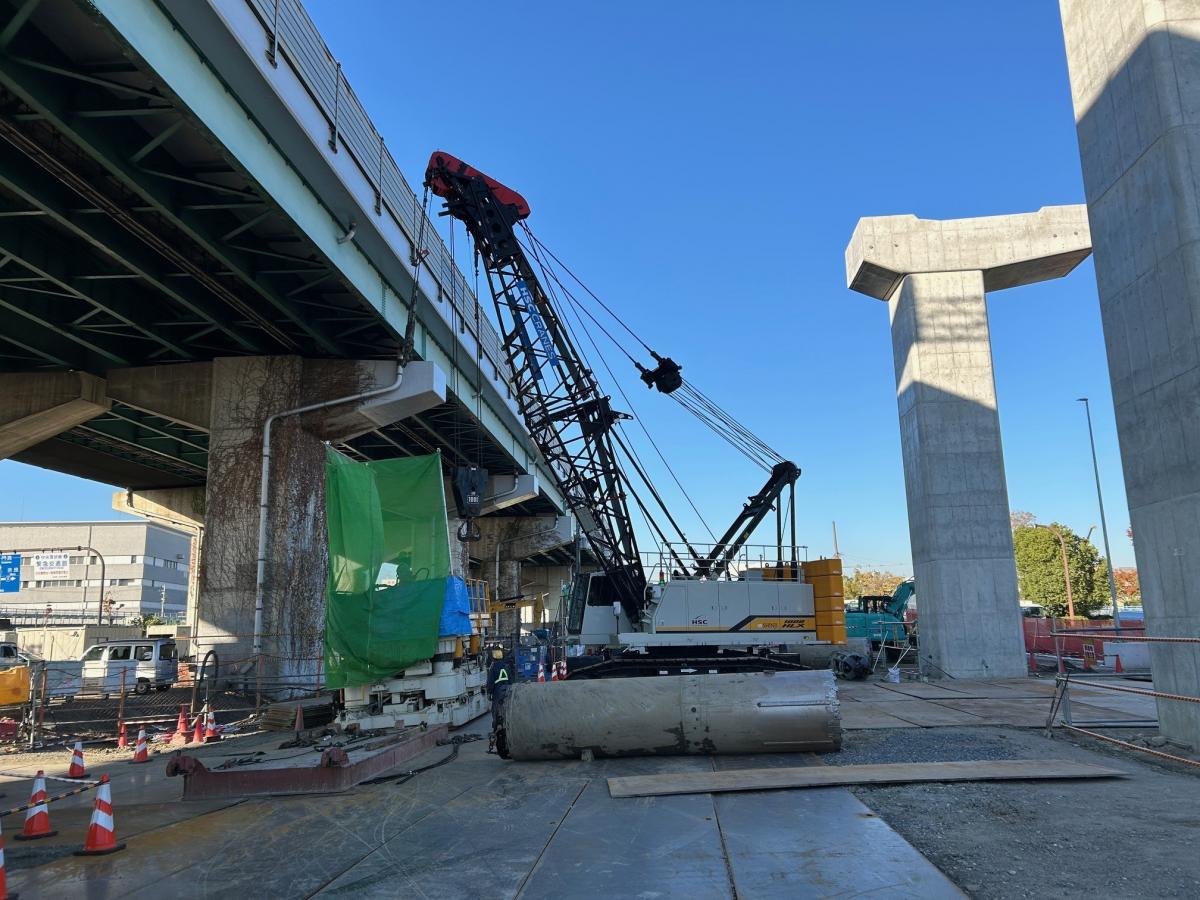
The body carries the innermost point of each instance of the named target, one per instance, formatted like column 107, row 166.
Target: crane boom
column 568, row 416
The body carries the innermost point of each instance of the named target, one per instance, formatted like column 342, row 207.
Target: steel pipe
column 762, row 712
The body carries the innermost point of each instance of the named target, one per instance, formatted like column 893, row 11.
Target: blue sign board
column 10, row 573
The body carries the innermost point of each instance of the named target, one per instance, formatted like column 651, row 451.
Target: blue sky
column 703, row 169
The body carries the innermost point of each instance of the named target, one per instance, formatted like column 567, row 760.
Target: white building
column 146, row 568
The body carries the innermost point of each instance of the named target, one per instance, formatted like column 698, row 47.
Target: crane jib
column 539, row 324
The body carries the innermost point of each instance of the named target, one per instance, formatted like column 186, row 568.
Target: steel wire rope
column 733, row 423
column 533, row 237
column 552, row 297
column 621, row 390
column 638, row 466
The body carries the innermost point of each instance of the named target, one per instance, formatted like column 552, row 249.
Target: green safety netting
column 389, row 561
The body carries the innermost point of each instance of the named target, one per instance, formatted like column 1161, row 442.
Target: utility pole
column 1066, row 568
column 1112, row 580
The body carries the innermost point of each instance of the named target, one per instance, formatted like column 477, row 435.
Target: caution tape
column 79, row 790
column 47, row 777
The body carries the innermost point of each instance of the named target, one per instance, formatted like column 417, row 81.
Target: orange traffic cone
column 1118, row 668
column 37, row 817
column 198, row 734
column 122, row 738
column 141, row 753
column 77, row 770
column 4, row 894
column 181, row 725
column 541, row 672
column 299, row 724
column 102, row 835
column 210, row 727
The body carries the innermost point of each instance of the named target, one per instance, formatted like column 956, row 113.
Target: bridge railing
column 289, row 31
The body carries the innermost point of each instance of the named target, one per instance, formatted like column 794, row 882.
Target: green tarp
column 389, row 559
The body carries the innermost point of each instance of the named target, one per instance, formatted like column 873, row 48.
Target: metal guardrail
column 1061, row 702
column 290, row 33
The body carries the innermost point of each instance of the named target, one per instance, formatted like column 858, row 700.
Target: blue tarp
column 456, row 610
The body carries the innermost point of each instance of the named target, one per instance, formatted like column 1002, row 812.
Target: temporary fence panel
column 389, row 561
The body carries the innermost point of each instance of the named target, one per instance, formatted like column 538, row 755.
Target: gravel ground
column 1133, row 837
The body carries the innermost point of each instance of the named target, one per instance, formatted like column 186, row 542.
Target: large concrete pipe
column 763, row 712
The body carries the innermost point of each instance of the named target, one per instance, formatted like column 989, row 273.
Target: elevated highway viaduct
column 200, row 227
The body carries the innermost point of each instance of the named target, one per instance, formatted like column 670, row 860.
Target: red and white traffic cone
column 77, row 770
column 102, row 834
column 141, row 754
column 554, row 671
column 37, row 817
column 198, row 733
column 122, row 737
column 562, row 670
column 541, row 671
column 1117, row 667
column 210, row 727
column 4, row 894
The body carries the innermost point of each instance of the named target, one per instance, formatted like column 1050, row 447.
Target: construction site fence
column 1075, row 638
column 1062, row 695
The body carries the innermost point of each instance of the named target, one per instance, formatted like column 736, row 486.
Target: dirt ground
column 1133, row 837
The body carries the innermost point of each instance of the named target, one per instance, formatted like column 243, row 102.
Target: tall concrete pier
column 1135, row 84
column 934, row 276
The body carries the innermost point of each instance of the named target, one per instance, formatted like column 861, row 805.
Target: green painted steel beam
column 51, row 258
column 39, row 189
column 40, row 91
column 49, row 315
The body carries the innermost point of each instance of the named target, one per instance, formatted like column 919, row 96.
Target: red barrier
column 1039, row 639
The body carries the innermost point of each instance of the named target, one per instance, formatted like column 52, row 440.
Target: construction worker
column 500, row 676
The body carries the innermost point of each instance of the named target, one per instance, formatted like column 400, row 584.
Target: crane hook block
column 469, row 484
column 666, row 376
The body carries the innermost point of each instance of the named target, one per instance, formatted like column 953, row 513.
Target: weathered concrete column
column 36, row 406
column 245, row 391
column 934, row 275
column 507, row 541
column 1134, row 67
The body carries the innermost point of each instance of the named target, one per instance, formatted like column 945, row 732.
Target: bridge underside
column 130, row 237
column 136, row 251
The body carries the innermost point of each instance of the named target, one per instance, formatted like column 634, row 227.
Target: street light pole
column 1066, row 568
column 1112, row 581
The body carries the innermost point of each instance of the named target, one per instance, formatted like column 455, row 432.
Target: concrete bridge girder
column 934, row 276
column 37, row 406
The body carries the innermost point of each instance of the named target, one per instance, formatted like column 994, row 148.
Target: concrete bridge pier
column 245, row 391
column 934, row 276
column 1135, row 84
column 506, row 542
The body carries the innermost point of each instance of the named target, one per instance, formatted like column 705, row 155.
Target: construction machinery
column 881, row 618
column 712, row 609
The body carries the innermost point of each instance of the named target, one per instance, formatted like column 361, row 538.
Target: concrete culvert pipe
column 763, row 712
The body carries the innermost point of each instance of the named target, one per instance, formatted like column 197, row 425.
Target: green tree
column 1040, row 570
column 144, row 622
column 870, row 581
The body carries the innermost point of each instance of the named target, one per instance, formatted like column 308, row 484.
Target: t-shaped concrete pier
column 934, row 275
